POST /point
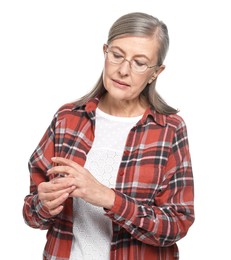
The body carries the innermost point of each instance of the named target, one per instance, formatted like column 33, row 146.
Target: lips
column 121, row 83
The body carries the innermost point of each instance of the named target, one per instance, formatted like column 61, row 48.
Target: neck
column 123, row 108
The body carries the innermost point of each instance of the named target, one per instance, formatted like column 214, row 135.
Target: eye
column 139, row 63
column 117, row 55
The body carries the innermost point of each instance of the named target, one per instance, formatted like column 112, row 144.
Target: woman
column 112, row 177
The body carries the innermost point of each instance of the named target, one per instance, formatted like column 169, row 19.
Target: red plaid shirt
column 153, row 207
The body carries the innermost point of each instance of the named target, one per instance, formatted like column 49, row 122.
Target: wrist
column 109, row 199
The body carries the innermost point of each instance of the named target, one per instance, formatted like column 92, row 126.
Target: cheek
column 105, row 76
column 109, row 69
column 108, row 72
column 141, row 83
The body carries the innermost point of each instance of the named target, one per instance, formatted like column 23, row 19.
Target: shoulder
column 178, row 126
column 175, row 123
column 76, row 107
column 175, row 120
column 68, row 110
column 65, row 109
column 164, row 120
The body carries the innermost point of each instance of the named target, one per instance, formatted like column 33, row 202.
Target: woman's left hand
column 87, row 187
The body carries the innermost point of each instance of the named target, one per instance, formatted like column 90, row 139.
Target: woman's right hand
column 54, row 193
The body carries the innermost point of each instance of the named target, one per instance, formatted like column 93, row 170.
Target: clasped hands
column 77, row 182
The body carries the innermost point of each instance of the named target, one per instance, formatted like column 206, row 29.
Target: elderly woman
column 111, row 178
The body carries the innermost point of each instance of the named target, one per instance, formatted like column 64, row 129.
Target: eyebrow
column 137, row 55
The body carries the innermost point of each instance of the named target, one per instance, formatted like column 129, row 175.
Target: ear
column 156, row 74
column 105, row 46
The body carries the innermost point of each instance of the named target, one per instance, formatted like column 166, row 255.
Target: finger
column 63, row 182
column 50, row 196
column 65, row 171
column 67, row 162
column 61, row 171
column 54, row 212
column 54, row 203
column 57, row 184
column 55, row 206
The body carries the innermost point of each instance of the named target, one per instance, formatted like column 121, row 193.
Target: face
column 120, row 81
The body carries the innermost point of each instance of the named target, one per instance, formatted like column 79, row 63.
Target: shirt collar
column 158, row 118
column 150, row 112
column 89, row 107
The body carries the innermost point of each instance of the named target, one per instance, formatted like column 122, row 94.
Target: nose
column 125, row 67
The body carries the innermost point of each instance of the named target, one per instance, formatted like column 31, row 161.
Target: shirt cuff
column 124, row 208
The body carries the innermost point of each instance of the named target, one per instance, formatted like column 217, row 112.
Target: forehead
column 134, row 45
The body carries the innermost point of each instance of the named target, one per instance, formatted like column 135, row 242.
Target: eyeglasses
column 136, row 65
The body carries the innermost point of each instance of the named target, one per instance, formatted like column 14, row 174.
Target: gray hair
column 139, row 24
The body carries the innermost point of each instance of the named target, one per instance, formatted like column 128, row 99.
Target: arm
column 171, row 215
column 34, row 212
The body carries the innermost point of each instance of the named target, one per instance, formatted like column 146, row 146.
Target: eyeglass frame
column 124, row 59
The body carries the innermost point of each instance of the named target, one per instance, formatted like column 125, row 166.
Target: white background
column 51, row 53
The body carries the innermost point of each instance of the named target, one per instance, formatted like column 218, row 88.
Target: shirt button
column 126, row 152
column 121, row 173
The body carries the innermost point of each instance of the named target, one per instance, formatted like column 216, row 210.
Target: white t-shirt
column 92, row 229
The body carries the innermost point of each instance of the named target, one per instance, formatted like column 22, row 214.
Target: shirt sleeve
column 34, row 213
column 171, row 215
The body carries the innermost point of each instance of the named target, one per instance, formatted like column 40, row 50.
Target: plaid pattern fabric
column 153, row 207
